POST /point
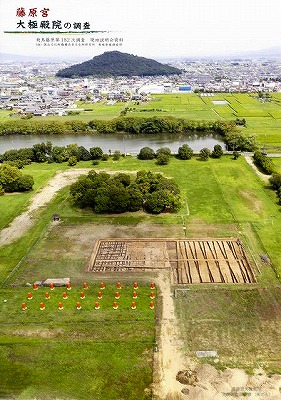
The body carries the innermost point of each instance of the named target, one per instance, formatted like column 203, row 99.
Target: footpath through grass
column 107, row 354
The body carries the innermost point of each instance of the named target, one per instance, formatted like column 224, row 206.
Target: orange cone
column 152, row 286
column 42, row 306
column 97, row 306
column 133, row 307
column 23, row 306
column 117, row 295
column 85, row 286
column 52, row 286
column 115, row 305
column 64, row 296
column 35, row 286
column 136, row 286
column 82, row 295
column 118, row 285
column 78, row 305
column 135, row 296
column 47, row 296
column 99, row 295
column 68, row 286
column 151, row 305
column 102, row 285
column 152, row 295
column 60, row 306
column 29, row 296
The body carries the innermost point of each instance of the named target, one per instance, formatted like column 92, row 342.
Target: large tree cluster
column 121, row 192
column 13, row 180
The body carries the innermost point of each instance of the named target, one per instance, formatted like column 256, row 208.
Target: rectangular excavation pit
column 190, row 260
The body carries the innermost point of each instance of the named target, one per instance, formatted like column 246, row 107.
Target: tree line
column 72, row 153
column 122, row 192
column 234, row 139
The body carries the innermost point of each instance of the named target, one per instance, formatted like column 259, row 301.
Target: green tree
column 116, row 155
column 59, row 154
column 82, row 193
column 72, row 161
column 146, row 153
column 204, row 154
column 239, row 142
column 83, row 154
column 39, row 152
column 135, row 198
column 122, row 178
column 217, row 152
column 12, row 179
column 275, row 181
column 185, row 152
column 162, row 159
column 25, row 183
column 164, row 150
column 96, row 153
column 161, row 200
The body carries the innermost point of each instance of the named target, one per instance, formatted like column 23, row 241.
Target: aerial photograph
column 140, row 200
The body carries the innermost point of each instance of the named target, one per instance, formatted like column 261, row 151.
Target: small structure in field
column 55, row 217
column 57, row 282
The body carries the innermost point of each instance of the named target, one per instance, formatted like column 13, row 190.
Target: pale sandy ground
column 211, row 384
column 250, row 161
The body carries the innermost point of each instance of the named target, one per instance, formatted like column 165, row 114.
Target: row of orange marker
column 79, row 307
column 82, row 295
column 85, row 286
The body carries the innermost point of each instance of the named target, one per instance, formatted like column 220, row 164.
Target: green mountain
column 115, row 63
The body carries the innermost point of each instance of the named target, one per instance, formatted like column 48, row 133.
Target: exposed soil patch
column 192, row 261
column 253, row 203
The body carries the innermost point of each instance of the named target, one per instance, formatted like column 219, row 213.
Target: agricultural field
column 241, row 324
column 109, row 354
column 263, row 119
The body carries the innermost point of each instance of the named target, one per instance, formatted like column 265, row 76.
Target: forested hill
column 115, row 63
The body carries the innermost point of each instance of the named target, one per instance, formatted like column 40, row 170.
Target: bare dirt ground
column 210, row 384
column 169, row 359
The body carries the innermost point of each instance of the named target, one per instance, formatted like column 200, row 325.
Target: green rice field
column 263, row 119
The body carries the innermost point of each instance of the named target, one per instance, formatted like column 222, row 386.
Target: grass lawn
column 76, row 354
column 107, row 354
column 241, row 324
column 277, row 163
column 223, row 198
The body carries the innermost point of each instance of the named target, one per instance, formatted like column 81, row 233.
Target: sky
column 149, row 28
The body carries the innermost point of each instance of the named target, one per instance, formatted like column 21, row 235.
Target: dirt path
column 250, row 161
column 210, row 384
column 170, row 358
column 20, row 225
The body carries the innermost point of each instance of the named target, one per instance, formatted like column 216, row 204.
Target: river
column 125, row 143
